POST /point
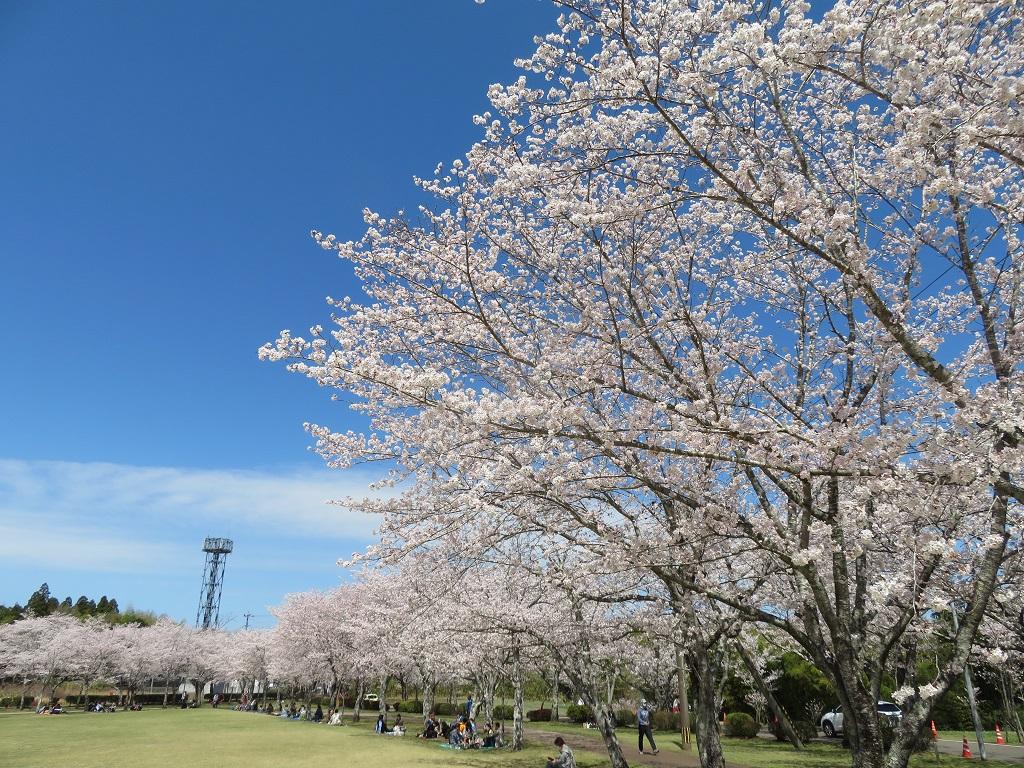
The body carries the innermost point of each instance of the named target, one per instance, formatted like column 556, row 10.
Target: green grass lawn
column 221, row 738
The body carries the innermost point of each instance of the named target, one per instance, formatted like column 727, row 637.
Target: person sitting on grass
column 335, row 718
column 455, row 737
column 382, row 725
column 399, row 727
column 490, row 736
column 565, row 759
column 318, row 715
column 429, row 728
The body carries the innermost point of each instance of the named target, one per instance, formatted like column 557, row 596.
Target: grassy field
column 156, row 738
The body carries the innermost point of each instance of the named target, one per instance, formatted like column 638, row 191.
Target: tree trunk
column 1011, row 707
column 491, row 685
column 555, row 713
column 358, row 705
column 860, row 724
column 709, row 742
column 517, row 706
column 428, row 698
column 606, row 725
column 773, row 704
column 682, row 675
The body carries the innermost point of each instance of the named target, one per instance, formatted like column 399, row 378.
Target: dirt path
column 664, row 759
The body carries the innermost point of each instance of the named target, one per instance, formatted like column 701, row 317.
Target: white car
column 832, row 722
column 371, row 698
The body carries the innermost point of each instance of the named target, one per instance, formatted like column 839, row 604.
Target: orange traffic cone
column 999, row 735
column 966, row 749
column 935, row 732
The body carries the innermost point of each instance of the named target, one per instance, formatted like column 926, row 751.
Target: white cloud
column 101, row 516
column 79, row 549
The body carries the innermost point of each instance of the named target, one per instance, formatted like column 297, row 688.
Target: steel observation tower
column 217, row 551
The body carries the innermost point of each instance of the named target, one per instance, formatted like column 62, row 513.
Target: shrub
column 539, row 715
column 503, row 712
column 663, row 720
column 444, row 708
column 625, row 718
column 578, row 713
column 805, row 729
column 410, row 707
column 741, row 725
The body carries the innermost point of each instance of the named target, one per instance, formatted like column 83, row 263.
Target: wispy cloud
column 81, row 549
column 100, row 516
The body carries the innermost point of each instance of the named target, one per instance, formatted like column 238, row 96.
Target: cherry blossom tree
column 721, row 278
column 310, row 640
column 133, row 656
column 169, row 642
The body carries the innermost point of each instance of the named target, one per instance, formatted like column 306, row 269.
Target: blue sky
column 162, row 166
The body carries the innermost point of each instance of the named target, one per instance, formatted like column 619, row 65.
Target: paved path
column 1011, row 753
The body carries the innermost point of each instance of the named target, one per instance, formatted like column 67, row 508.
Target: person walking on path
column 643, row 726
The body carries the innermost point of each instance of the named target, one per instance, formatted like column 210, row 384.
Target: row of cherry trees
column 44, row 653
column 721, row 315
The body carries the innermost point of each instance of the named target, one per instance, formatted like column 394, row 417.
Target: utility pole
column 970, row 692
column 247, row 617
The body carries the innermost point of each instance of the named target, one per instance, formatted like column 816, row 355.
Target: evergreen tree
column 39, row 602
column 82, row 606
column 103, row 606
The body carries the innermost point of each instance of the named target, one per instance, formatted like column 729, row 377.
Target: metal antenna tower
column 217, row 551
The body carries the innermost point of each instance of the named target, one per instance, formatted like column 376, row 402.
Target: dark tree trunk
column 709, row 742
column 773, row 704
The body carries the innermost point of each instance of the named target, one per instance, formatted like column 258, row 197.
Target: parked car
column 371, row 698
column 832, row 722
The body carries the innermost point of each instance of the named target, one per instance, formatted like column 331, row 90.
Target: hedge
column 539, row 715
column 579, row 713
column 625, row 718
column 664, row 720
column 503, row 712
column 444, row 708
column 741, row 725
